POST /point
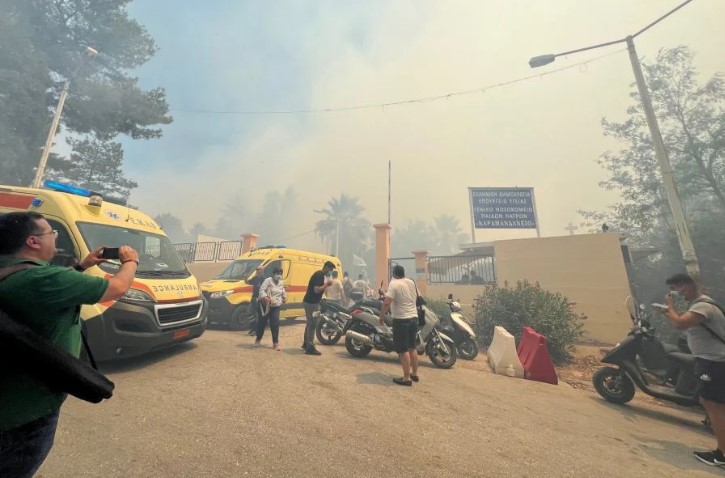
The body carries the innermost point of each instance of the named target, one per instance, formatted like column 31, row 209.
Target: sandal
column 414, row 378
column 277, row 347
column 402, row 381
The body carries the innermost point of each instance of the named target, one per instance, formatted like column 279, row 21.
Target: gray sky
column 543, row 132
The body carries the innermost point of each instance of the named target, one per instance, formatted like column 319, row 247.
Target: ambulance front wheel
column 241, row 318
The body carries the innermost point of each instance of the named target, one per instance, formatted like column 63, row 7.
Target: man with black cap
column 400, row 299
column 319, row 281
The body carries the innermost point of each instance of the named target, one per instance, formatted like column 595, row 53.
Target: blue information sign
column 503, row 208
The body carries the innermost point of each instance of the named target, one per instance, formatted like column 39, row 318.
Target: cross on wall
column 571, row 228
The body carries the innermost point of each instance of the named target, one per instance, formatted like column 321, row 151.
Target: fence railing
column 209, row 251
column 473, row 269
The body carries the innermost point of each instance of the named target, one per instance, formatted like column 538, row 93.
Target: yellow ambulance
column 164, row 305
column 229, row 293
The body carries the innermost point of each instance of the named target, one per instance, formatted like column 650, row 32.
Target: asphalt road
column 217, row 407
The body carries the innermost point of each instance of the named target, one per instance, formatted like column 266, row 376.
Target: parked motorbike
column 660, row 370
column 363, row 333
column 461, row 332
column 333, row 318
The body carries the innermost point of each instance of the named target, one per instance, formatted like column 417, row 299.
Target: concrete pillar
column 382, row 255
column 420, row 274
column 249, row 241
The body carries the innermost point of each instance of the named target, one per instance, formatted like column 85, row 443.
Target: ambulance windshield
column 157, row 256
column 239, row 270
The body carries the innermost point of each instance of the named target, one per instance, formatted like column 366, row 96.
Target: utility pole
column 668, row 177
column 51, row 134
column 54, row 125
column 673, row 197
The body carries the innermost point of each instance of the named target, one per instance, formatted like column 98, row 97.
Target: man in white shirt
column 335, row 293
column 400, row 299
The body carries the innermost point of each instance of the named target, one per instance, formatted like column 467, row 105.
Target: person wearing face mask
column 704, row 325
column 272, row 295
column 319, row 282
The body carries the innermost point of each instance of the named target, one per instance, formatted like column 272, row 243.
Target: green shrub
column 549, row 313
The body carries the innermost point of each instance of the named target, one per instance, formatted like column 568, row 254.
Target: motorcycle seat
column 669, row 348
column 682, row 358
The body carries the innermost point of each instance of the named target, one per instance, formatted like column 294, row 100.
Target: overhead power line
column 481, row 89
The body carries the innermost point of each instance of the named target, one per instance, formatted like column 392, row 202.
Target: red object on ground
column 535, row 358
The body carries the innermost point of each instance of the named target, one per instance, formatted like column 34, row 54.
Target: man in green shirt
column 47, row 299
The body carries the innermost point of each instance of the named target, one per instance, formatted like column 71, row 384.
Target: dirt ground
column 217, row 407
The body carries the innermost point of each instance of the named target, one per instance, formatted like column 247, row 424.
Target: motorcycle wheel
column 357, row 349
column 614, row 386
column 468, row 349
column 439, row 358
column 327, row 335
column 241, row 319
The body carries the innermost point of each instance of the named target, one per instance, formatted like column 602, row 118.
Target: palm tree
column 447, row 233
column 413, row 235
column 344, row 212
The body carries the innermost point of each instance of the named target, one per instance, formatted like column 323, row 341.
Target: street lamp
column 91, row 52
column 337, row 230
column 673, row 196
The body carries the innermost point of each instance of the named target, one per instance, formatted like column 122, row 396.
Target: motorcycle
column 461, row 332
column 364, row 332
column 659, row 370
column 333, row 318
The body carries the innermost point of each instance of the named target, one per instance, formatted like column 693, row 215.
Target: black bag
column 419, row 306
column 26, row 351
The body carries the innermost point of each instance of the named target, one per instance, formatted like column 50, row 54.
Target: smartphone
column 110, row 253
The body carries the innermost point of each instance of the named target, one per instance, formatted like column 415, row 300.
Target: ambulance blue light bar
column 67, row 188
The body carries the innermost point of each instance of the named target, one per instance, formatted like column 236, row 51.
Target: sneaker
column 403, row 381
column 712, row 458
column 414, row 378
column 257, row 343
column 312, row 351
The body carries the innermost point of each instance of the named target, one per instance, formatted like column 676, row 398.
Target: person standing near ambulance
column 272, row 296
column 47, row 299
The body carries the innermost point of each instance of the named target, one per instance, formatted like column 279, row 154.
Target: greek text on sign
column 503, row 208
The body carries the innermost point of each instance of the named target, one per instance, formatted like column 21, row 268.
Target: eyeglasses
column 54, row 232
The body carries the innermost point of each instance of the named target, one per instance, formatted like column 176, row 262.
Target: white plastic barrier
column 502, row 356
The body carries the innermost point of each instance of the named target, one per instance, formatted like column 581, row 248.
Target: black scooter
column 662, row 371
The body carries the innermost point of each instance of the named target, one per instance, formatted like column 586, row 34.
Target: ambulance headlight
column 136, row 295
column 220, row 294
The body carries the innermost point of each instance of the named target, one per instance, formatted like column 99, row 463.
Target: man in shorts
column 704, row 325
column 400, row 300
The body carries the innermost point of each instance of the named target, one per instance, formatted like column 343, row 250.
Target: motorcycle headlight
column 137, row 296
column 220, row 294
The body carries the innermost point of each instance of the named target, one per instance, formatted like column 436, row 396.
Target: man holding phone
column 47, row 299
column 704, row 325
column 319, row 282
